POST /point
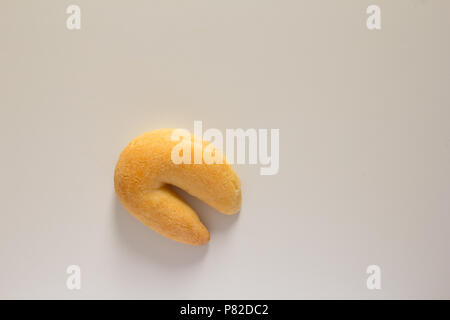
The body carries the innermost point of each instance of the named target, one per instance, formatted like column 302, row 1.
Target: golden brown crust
column 142, row 177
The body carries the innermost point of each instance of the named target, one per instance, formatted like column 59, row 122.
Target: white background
column 364, row 146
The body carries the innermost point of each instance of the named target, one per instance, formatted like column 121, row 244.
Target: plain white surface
column 364, row 146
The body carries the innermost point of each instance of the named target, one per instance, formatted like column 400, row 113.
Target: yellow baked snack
column 143, row 175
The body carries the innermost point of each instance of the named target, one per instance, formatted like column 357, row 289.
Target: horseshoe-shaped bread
column 142, row 179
